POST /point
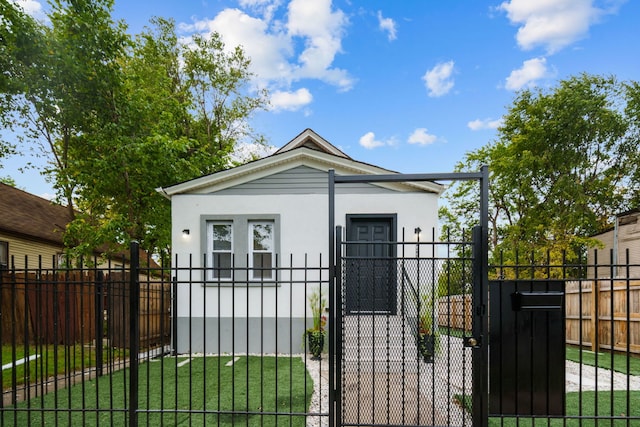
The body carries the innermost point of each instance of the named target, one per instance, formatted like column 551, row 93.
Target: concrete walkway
column 384, row 382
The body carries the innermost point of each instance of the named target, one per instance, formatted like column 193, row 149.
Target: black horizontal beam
column 415, row 177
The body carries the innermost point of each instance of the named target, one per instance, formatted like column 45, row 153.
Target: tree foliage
column 20, row 45
column 564, row 163
column 118, row 116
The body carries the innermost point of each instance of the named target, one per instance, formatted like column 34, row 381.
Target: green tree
column 564, row 163
column 118, row 116
column 20, row 46
column 181, row 110
column 65, row 84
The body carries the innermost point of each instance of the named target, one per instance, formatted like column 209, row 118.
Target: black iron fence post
column 332, row 302
column 480, row 325
column 174, row 316
column 134, row 332
column 99, row 319
column 337, row 313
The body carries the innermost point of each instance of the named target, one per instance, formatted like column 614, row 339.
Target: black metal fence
column 397, row 365
column 172, row 346
column 564, row 344
column 132, row 345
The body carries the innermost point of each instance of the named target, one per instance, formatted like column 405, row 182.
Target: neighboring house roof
column 623, row 218
column 306, row 149
column 31, row 216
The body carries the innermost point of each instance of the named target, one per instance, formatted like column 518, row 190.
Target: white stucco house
column 269, row 213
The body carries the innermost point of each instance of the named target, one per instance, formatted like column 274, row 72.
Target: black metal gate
column 423, row 361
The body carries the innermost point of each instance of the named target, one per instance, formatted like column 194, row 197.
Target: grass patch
column 586, row 408
column 254, row 391
column 453, row 332
column 52, row 360
column 605, row 360
column 573, row 354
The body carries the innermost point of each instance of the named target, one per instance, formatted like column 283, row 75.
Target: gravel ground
column 320, row 397
column 603, row 377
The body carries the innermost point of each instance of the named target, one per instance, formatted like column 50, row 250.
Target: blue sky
column 406, row 85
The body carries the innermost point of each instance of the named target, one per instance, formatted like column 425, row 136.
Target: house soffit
column 277, row 163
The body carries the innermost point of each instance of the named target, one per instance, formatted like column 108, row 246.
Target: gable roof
column 310, row 139
column 308, row 149
column 31, row 216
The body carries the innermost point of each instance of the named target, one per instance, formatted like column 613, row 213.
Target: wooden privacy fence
column 454, row 311
column 600, row 314
column 47, row 308
column 154, row 314
column 67, row 307
column 603, row 314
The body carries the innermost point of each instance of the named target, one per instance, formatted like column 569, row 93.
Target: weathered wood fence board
column 603, row 314
column 67, row 308
column 597, row 316
column 154, row 316
column 455, row 311
column 47, row 308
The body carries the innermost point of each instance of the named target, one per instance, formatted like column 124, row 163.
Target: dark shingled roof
column 32, row 216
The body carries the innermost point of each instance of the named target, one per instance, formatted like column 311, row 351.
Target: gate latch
column 472, row 342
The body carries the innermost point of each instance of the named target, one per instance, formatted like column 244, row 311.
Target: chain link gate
column 409, row 362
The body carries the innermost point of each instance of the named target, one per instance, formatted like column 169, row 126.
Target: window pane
column 222, row 237
column 263, row 237
column 4, row 255
column 222, row 266
column 262, row 264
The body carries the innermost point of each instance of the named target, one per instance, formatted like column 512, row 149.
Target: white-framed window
column 4, row 254
column 220, row 250
column 62, row 260
column 261, row 249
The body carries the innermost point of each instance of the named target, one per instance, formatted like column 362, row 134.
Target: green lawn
column 586, row 408
column 604, row 360
column 52, row 360
column 275, row 386
column 576, row 407
column 573, row 354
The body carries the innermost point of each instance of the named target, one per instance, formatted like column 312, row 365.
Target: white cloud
column 272, row 44
column 32, row 8
column 438, row 80
column 369, row 141
column 479, row 124
column 421, row 137
column 553, row 24
column 531, row 71
column 388, row 25
column 266, row 8
column 269, row 51
column 290, row 101
column 322, row 30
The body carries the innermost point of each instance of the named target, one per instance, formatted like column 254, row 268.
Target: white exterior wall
column 224, row 319
column 303, row 230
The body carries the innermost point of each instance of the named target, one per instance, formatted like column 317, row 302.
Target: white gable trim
column 307, row 135
column 301, row 156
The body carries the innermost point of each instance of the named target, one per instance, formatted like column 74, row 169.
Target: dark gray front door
column 371, row 277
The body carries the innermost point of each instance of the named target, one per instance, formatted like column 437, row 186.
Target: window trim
column 5, row 265
column 242, row 273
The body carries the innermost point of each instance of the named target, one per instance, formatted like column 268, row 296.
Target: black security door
column 372, row 273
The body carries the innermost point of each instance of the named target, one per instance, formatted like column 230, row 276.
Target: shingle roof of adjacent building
column 28, row 215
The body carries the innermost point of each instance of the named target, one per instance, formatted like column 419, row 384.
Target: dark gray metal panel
column 527, row 347
column 299, row 180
